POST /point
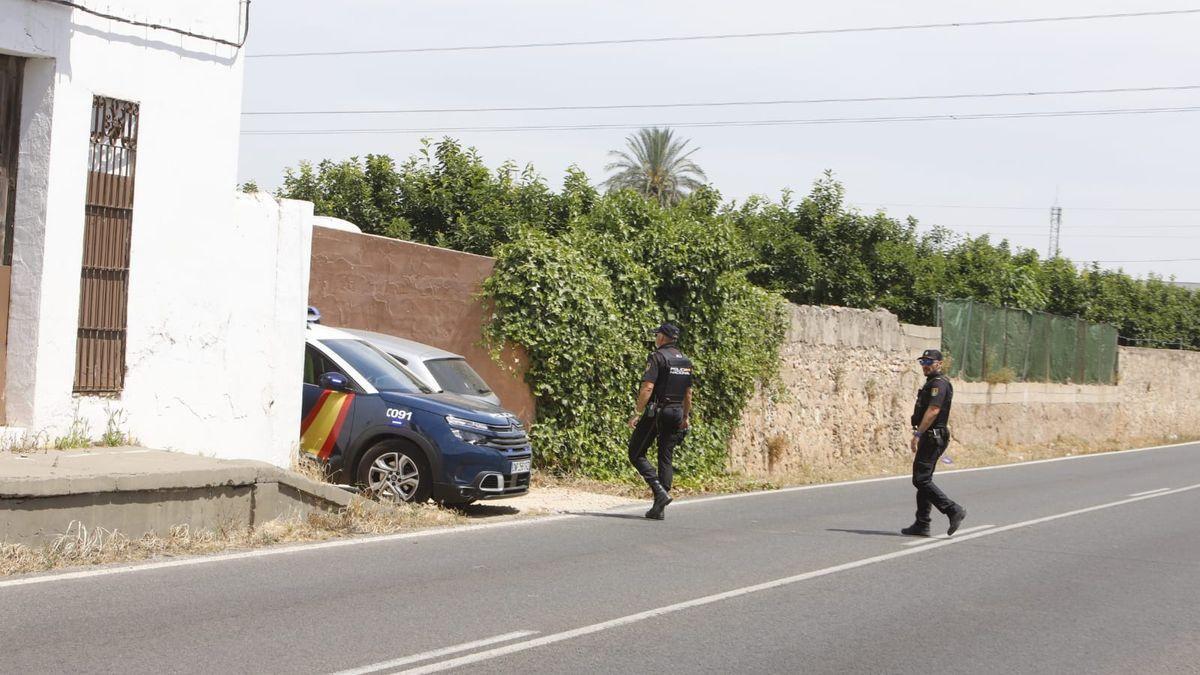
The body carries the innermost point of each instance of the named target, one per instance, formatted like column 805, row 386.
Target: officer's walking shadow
column 877, row 533
column 602, row 514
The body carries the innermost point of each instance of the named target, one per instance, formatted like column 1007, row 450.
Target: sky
column 1128, row 185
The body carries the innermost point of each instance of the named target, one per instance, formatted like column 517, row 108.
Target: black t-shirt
column 937, row 392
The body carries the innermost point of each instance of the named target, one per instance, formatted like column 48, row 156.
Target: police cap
column 668, row 329
column 931, row 355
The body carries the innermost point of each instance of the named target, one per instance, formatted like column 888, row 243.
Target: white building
column 136, row 284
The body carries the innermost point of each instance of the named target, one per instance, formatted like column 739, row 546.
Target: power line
column 722, row 104
column 243, row 20
column 1030, row 208
column 730, row 36
column 734, row 123
column 1140, row 261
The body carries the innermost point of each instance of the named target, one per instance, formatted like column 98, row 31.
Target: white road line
column 1148, row 492
column 746, row 590
column 433, row 654
column 466, row 529
column 965, row 530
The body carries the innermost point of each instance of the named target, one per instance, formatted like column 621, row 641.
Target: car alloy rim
column 394, row 476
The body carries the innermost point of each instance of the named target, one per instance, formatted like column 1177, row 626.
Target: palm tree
column 656, row 166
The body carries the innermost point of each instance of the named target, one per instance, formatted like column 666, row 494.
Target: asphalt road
column 1090, row 565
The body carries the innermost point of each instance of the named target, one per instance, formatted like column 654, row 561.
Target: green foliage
column 818, row 251
column 583, row 304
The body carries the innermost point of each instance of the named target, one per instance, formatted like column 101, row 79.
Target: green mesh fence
column 985, row 342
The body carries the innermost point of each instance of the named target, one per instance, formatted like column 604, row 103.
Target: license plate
column 521, row 466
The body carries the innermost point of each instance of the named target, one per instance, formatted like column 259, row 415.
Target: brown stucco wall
column 413, row 291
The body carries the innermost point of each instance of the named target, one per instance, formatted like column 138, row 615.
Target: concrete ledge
column 136, row 490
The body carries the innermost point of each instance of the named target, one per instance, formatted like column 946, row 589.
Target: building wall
column 205, row 300
column 419, row 292
column 850, row 380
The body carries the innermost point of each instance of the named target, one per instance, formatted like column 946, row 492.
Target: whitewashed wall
column 211, row 280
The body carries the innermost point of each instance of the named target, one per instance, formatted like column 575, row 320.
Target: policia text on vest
column 931, row 435
column 661, row 414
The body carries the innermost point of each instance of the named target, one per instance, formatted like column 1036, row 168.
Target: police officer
column 929, row 441
column 661, row 413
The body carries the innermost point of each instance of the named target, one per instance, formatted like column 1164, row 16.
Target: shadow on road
column 486, row 510
column 601, row 514
column 877, row 533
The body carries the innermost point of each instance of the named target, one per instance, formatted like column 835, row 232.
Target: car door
column 327, row 414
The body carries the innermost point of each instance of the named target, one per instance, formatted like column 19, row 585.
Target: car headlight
column 468, row 436
column 465, row 424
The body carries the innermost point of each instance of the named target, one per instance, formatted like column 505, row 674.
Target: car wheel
column 395, row 472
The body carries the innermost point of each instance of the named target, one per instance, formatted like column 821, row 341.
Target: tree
column 656, row 165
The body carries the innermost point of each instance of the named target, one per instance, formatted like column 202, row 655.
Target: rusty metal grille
column 10, row 113
column 107, row 232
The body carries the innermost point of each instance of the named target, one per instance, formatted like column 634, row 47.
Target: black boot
column 956, row 517
column 661, row 499
column 917, row 529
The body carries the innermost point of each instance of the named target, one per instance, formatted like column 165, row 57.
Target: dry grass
column 960, row 457
column 79, row 545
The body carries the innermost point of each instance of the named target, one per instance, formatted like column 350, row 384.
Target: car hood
column 452, row 404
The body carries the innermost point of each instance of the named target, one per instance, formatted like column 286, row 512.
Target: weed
column 777, row 447
column 26, row 443
column 309, row 468
column 114, row 435
column 79, row 435
column 839, row 378
column 872, row 389
column 1003, row 375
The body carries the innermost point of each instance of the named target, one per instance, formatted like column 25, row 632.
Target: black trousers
column 929, row 449
column 664, row 428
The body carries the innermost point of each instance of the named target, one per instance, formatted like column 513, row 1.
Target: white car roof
column 391, row 343
column 318, row 332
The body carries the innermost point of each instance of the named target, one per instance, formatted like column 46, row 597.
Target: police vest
column 674, row 376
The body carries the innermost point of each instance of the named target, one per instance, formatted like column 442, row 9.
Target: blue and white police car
column 374, row 424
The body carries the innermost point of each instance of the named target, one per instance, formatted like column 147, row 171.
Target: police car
column 376, row 425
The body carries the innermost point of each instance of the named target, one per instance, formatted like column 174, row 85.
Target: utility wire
column 723, row 104
column 142, row 24
column 734, row 123
column 1140, row 261
column 731, row 36
column 1031, row 208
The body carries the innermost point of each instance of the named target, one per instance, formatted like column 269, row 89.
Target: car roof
column 391, row 343
column 318, row 332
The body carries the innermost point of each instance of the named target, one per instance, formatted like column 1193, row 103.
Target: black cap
column 668, row 329
column 934, row 354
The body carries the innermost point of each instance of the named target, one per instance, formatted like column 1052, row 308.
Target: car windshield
column 456, row 376
column 380, row 370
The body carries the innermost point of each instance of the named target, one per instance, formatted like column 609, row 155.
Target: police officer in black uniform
column 929, row 441
column 663, row 407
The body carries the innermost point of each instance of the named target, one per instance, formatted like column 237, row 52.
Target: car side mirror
column 334, row 381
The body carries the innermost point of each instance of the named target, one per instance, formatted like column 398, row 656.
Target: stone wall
column 849, row 379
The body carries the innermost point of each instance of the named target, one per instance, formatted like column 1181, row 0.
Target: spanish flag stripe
column 312, row 414
column 327, row 448
column 325, row 418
